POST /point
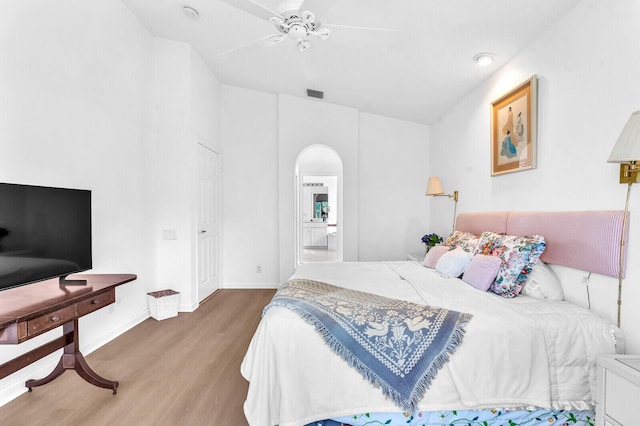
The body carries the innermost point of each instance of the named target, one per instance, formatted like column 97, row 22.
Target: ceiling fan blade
column 352, row 27
column 321, row 8
column 271, row 38
column 254, row 8
column 271, row 12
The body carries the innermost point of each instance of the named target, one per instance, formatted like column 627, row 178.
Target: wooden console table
column 30, row 310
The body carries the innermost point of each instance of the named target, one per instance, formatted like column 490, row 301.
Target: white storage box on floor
column 163, row 304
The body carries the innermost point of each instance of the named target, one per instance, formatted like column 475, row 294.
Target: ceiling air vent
column 315, row 93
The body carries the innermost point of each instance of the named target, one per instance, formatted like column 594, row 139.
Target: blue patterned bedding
column 397, row 345
column 468, row 418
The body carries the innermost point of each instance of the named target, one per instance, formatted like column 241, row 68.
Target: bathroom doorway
column 318, row 205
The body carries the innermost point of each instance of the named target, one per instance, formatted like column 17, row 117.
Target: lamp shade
column 627, row 148
column 434, row 187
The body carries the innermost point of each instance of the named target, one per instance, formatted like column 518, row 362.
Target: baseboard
column 87, row 348
column 187, row 308
column 15, row 383
column 249, row 285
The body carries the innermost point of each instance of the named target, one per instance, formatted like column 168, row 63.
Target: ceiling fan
column 300, row 28
column 292, row 21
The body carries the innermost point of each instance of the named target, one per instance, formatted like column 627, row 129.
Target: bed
column 521, row 360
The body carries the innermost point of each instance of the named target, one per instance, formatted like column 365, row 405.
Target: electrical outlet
column 258, row 269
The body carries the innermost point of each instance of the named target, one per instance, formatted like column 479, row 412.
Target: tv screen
column 44, row 233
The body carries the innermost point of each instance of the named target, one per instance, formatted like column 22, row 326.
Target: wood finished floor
column 179, row 371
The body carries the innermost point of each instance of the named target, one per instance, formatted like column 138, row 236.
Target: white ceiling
column 415, row 73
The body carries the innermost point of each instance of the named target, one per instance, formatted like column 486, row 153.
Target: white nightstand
column 418, row 257
column 618, row 395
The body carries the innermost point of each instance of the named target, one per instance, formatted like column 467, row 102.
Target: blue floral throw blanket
column 396, row 345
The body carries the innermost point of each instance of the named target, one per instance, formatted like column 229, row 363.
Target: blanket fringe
column 421, row 386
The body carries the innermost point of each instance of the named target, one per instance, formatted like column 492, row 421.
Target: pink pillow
column 482, row 271
column 434, row 255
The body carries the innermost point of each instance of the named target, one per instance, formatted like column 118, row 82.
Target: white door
column 208, row 222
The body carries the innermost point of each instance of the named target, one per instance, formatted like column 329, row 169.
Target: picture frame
column 514, row 124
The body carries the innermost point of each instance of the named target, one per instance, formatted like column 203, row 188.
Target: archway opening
column 318, row 194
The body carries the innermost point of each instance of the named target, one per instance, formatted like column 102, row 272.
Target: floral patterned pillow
column 518, row 255
column 463, row 239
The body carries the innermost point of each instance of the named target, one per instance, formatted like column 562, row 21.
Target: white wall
column 249, row 138
column 393, row 211
column 587, row 72
column 172, row 157
column 185, row 114
column 204, row 97
column 75, row 112
column 262, row 136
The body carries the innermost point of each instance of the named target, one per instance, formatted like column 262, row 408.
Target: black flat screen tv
column 45, row 233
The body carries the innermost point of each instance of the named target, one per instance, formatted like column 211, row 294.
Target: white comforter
column 520, row 352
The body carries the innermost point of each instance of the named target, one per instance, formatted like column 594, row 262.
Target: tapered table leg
column 72, row 359
column 54, row 374
column 83, row 369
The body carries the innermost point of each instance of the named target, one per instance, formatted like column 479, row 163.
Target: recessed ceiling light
column 484, row 59
column 190, row 12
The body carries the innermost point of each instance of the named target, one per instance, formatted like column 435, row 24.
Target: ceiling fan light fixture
column 308, row 17
column 323, row 33
column 190, row 12
column 277, row 21
column 303, row 45
column 277, row 38
column 298, row 32
column 484, row 59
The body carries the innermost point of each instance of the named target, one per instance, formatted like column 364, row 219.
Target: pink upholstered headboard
column 587, row 240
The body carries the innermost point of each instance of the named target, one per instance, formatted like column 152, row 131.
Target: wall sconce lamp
column 434, row 189
column 627, row 152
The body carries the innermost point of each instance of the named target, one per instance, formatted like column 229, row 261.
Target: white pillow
column 453, row 263
column 543, row 283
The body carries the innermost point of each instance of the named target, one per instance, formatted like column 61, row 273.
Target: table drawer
column 96, row 302
column 14, row 333
column 50, row 320
column 622, row 398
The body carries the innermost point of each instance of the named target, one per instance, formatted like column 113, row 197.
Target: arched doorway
column 318, row 194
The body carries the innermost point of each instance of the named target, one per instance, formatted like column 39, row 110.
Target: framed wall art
column 513, row 129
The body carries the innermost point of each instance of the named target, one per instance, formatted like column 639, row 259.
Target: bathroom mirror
column 320, row 206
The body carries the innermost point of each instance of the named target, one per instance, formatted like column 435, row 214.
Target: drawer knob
column 95, row 302
column 55, row 319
